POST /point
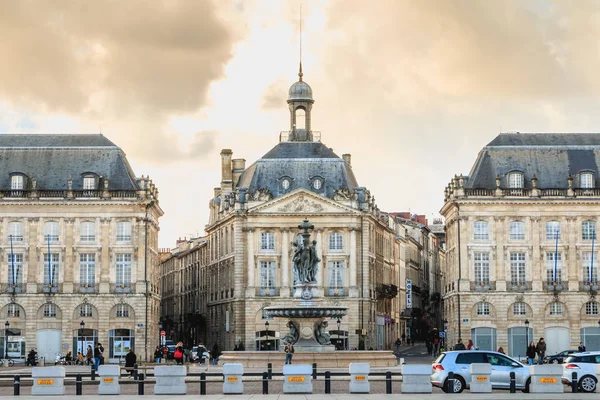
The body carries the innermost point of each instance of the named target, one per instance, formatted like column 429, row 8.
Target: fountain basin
column 306, row 312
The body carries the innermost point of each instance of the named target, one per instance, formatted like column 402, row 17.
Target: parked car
column 558, row 358
column 197, row 352
column 171, row 352
column 585, row 365
column 460, row 362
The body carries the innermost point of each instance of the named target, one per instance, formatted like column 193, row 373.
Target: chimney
column 348, row 159
column 239, row 165
column 226, row 172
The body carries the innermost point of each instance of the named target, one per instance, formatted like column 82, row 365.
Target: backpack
column 178, row 354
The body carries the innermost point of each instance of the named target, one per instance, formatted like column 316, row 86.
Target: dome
column 300, row 91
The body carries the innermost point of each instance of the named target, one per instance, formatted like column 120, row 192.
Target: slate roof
column 300, row 161
column 51, row 159
column 551, row 157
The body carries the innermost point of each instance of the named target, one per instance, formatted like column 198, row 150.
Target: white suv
column 585, row 365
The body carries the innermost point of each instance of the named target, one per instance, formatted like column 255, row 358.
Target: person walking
column 404, row 338
column 581, row 347
column 216, row 353
column 459, row 345
column 501, row 350
column 157, row 355
column 97, row 355
column 541, row 350
column 531, row 353
column 289, row 353
column 178, row 354
column 436, row 346
column 470, row 345
column 130, row 360
column 429, row 346
column 89, row 355
column 398, row 343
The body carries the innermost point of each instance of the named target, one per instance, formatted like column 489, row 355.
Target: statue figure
column 321, row 333
column 305, row 258
column 314, row 261
column 296, row 262
column 292, row 336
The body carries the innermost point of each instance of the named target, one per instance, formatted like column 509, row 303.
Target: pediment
column 301, row 202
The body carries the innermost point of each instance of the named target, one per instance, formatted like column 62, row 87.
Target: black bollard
column 388, row 382
column 513, row 383
column 135, row 371
column 327, row 382
column 78, row 385
column 141, row 384
column 270, row 370
column 265, row 383
column 314, row 374
column 93, row 375
column 450, row 382
column 17, row 385
column 574, row 382
column 203, row 384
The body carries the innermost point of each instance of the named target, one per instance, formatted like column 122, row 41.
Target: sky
column 412, row 89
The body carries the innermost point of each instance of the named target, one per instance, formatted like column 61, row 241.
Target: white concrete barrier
column 170, row 379
column 232, row 378
column 416, row 378
column 48, row 381
column 109, row 379
column 546, row 379
column 480, row 378
column 297, row 378
column 359, row 377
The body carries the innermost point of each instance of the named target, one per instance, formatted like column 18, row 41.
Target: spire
column 300, row 74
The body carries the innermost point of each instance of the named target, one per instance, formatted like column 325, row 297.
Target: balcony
column 588, row 285
column 47, row 288
column 482, row 286
column 387, row 291
column 10, row 288
column 335, row 292
column 555, row 286
column 86, row 288
column 121, row 288
column 519, row 286
column 267, row 291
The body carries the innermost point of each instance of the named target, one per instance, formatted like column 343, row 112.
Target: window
column 591, row 308
column 588, row 230
column 336, row 241
column 586, row 180
column 517, row 230
column 122, row 311
column 15, row 269
column 15, row 229
column 267, row 277
column 87, row 232
column 335, row 272
column 517, row 268
column 519, row 309
column 556, row 308
column 483, row 309
column 13, row 311
column 50, row 310
column 481, row 230
column 498, row 360
column 51, row 231
column 123, row 270
column 552, row 230
column 482, row 268
column 515, row 180
column 51, row 270
column 89, row 183
column 285, row 184
column 267, row 241
column 17, row 182
column 317, row 184
column 123, row 231
column 471, row 358
column 85, row 310
column 589, row 276
column 554, row 267
column 87, row 270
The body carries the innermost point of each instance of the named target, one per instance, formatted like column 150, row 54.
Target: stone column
column 285, row 265
column 538, row 270
column 353, row 252
column 33, row 263
column 69, row 261
column 105, row 242
column 250, row 271
column 500, row 266
column 573, row 264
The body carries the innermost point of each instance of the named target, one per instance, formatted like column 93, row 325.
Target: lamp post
column 160, row 327
column 339, row 323
column 82, row 325
column 267, row 333
column 6, row 326
column 445, row 332
column 527, row 332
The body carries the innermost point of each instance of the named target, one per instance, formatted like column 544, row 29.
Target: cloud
column 275, row 95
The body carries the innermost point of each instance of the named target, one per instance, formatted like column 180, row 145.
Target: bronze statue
column 321, row 333
column 292, row 336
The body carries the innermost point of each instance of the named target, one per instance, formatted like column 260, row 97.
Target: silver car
column 460, row 362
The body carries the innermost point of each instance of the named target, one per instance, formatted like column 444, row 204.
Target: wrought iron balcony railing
column 519, row 286
column 267, row 291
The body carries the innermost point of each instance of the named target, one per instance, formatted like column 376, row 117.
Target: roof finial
column 300, row 74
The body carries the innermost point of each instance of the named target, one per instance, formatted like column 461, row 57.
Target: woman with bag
column 178, row 354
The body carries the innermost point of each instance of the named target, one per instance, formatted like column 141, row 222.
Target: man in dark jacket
column 459, row 345
column 130, row 360
column 540, row 348
column 97, row 354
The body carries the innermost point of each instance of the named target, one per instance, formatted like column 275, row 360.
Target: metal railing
column 267, row 291
column 519, row 286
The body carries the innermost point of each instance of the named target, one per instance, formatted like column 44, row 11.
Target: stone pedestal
column 480, row 378
column 109, row 379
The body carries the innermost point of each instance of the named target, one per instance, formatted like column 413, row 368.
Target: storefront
column 119, row 343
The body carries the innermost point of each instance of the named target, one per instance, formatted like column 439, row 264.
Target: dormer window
column 317, row 184
column 285, row 184
column 515, row 180
column 89, row 182
column 17, row 182
column 586, row 180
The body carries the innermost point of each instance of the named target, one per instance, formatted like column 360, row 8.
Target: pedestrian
column 216, row 353
column 581, row 347
column 157, row 354
column 531, row 353
column 470, row 345
column 289, row 353
column 459, row 345
column 89, row 355
column 429, row 346
column 101, row 353
column 403, row 337
column 97, row 355
column 541, row 350
column 398, row 343
column 178, row 354
column 130, row 360
column 501, row 350
column 436, row 346
column 165, row 351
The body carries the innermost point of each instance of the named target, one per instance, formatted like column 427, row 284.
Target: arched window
column 515, row 180
column 85, row 310
column 51, row 231
column 17, row 182
column 483, row 309
column 336, row 241
column 50, row 310
column 556, row 308
column 517, row 230
column 300, row 118
column 89, row 182
column 519, row 308
column 591, row 308
column 586, row 180
column 13, row 311
column 122, row 311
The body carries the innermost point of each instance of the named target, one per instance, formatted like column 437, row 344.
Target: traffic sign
column 442, row 334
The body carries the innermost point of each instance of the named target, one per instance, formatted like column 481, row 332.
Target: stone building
column 522, row 259
column 254, row 218
column 78, row 244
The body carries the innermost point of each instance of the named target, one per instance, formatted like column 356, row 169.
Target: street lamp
column 82, row 325
column 267, row 333
column 445, row 322
column 6, row 326
column 527, row 331
column 339, row 323
column 160, row 327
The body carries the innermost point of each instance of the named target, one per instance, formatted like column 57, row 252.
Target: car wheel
column 526, row 390
column 555, row 361
column 459, row 384
column 587, row 384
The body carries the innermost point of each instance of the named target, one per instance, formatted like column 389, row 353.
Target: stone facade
column 75, row 197
column 521, row 236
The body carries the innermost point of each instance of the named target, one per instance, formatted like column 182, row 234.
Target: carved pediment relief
column 302, row 202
